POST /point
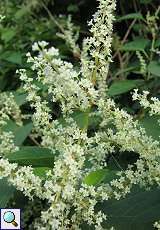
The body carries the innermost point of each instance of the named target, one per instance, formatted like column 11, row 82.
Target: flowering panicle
column 99, row 45
column 64, row 83
column 1, row 17
column 71, row 36
column 153, row 105
column 22, row 178
column 8, row 109
column 143, row 64
column 157, row 224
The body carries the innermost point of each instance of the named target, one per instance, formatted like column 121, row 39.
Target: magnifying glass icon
column 9, row 217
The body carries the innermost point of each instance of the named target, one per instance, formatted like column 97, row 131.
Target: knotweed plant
column 68, row 189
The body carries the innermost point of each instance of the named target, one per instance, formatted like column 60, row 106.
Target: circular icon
column 9, row 217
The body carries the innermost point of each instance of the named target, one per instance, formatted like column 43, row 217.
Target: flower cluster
column 71, row 36
column 157, row 224
column 64, row 83
column 96, row 53
column 153, row 105
column 8, row 109
column 143, row 64
column 22, row 178
column 1, row 17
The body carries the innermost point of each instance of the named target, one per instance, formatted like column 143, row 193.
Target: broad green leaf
column 150, row 123
column 130, row 16
column 157, row 43
column 31, row 155
column 22, row 133
column 98, row 176
column 139, row 44
column 81, row 118
column 19, row 200
column 127, row 70
column 145, row 1
column 3, row 82
column 139, row 210
column 8, row 34
column 6, row 193
column 94, row 121
column 13, row 57
column 137, row 27
column 72, row 8
column 20, row 98
column 41, row 171
column 120, row 87
column 21, row 12
column 154, row 68
column 10, row 126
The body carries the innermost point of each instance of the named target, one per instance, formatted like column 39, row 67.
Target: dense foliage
column 79, row 118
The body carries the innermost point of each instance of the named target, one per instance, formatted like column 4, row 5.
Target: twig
column 34, row 141
column 125, row 36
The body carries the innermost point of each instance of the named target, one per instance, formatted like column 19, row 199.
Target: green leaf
column 94, row 121
column 139, row 211
column 8, row 34
column 41, row 171
column 21, row 12
column 22, row 133
column 98, row 176
column 31, row 155
column 72, row 8
column 13, row 57
column 139, row 44
column 145, row 1
column 81, row 118
column 138, row 27
column 154, row 68
column 130, row 16
column 120, row 87
column 157, row 43
column 20, row 98
column 6, row 193
column 150, row 123
column 10, row 126
column 126, row 71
